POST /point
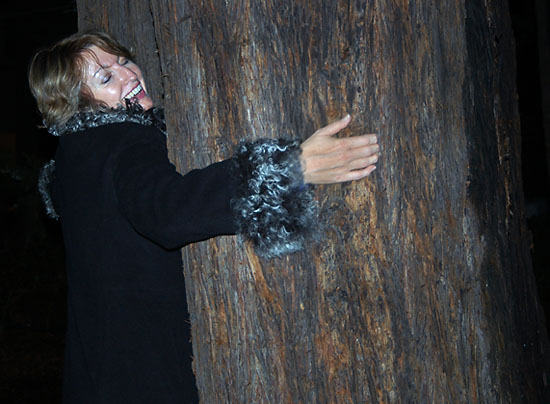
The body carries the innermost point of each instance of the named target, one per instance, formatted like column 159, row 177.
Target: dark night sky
column 31, row 274
column 25, row 29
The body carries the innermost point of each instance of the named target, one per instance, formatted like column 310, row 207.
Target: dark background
column 32, row 280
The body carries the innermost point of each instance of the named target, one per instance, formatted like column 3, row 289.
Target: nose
column 127, row 73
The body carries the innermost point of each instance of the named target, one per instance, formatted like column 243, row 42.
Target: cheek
column 109, row 96
column 140, row 77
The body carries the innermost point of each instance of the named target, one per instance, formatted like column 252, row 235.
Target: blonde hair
column 56, row 76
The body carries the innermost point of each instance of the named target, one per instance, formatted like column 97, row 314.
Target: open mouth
column 136, row 94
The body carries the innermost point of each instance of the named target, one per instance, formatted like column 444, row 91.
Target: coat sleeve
column 259, row 194
column 273, row 207
column 169, row 208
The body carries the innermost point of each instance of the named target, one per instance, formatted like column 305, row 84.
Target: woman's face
column 114, row 79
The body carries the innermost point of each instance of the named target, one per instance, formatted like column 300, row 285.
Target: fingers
column 356, row 174
column 358, row 141
column 360, row 153
column 336, row 176
column 325, row 170
column 361, row 163
column 346, row 158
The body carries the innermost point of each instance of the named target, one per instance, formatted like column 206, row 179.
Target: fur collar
column 93, row 119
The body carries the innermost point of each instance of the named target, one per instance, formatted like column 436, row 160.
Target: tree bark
column 421, row 288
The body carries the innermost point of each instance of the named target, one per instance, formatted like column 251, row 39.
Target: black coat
column 125, row 212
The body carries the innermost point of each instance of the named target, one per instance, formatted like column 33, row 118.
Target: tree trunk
column 421, row 288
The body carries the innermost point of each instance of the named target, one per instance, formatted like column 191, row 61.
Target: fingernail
column 348, row 116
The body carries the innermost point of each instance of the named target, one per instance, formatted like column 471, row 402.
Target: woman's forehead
column 97, row 57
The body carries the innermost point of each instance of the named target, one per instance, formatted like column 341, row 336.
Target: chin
column 146, row 103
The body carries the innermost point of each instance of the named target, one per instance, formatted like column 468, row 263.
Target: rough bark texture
column 421, row 290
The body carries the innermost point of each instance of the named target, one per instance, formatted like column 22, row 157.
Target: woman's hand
column 326, row 159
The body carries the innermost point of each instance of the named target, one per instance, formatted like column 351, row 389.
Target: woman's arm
column 265, row 193
column 163, row 205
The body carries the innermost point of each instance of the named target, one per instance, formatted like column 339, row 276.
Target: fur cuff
column 45, row 179
column 273, row 208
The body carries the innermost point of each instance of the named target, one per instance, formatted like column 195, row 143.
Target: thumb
column 334, row 127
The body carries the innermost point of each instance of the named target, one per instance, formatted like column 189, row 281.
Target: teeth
column 134, row 92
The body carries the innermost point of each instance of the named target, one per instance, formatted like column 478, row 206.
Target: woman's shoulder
column 110, row 139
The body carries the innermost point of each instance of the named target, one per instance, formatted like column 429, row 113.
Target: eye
column 106, row 79
column 123, row 61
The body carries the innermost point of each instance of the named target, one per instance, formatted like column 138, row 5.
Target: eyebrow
column 94, row 56
column 104, row 67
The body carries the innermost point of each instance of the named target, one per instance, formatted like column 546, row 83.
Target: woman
column 125, row 213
